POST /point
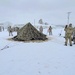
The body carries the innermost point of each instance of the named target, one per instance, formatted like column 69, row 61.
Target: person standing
column 65, row 29
column 74, row 35
column 0, row 29
column 41, row 29
column 10, row 31
column 68, row 35
column 50, row 30
column 3, row 28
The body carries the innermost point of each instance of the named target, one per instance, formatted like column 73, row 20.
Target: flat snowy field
column 37, row 58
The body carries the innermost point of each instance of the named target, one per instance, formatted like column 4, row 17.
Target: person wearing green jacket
column 68, row 35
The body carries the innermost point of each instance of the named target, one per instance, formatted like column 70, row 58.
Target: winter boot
column 70, row 44
column 73, row 43
column 65, row 44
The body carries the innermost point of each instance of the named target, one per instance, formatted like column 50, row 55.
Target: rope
column 9, row 45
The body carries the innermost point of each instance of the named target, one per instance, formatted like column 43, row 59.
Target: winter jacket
column 50, row 29
column 74, row 32
column 69, row 32
column 41, row 29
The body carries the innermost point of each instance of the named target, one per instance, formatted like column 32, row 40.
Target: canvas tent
column 28, row 33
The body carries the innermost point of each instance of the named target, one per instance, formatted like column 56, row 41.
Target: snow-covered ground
column 37, row 58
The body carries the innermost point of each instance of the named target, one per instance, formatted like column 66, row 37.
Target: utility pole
column 68, row 17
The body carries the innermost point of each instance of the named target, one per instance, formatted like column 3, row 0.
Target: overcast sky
column 23, row 11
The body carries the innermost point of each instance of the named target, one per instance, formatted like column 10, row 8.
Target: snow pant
column 68, row 37
column 74, row 40
column 70, row 41
column 50, row 33
column 10, row 33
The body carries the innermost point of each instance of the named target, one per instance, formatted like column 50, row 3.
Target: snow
column 37, row 58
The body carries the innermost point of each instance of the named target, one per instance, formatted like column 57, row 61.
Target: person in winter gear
column 3, row 28
column 0, row 29
column 65, row 29
column 41, row 29
column 10, row 31
column 50, row 30
column 74, row 35
column 68, row 34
